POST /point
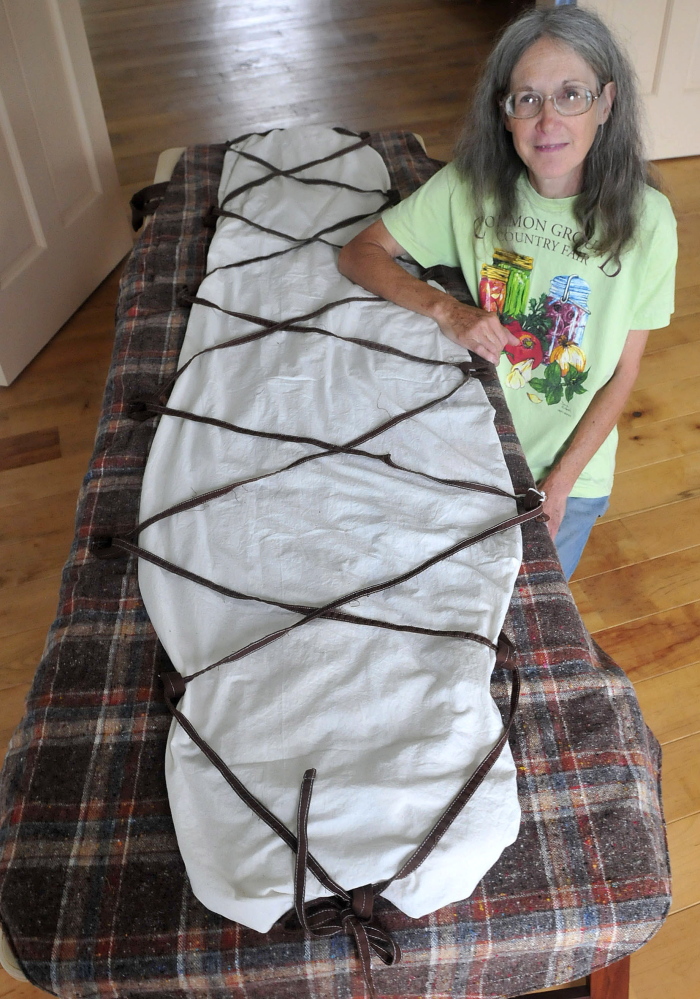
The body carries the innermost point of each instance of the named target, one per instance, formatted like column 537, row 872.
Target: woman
column 564, row 241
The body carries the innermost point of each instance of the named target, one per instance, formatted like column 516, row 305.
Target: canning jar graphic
column 567, row 303
column 519, row 270
column 492, row 288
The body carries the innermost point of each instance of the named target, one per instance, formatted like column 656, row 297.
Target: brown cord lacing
column 297, row 243
column 346, row 910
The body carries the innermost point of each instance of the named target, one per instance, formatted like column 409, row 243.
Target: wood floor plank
column 36, row 482
column 655, row 644
column 675, row 396
column 683, row 330
column 684, row 850
column 12, row 711
column 27, row 561
column 670, row 703
column 640, row 536
column 658, row 365
column 20, row 655
column 94, row 319
column 11, row 989
column 668, row 966
column 681, row 779
column 33, row 519
column 636, row 591
column 29, row 449
column 33, row 602
column 688, row 301
column 78, row 438
column 610, row 546
column 650, row 443
column 225, row 25
column 687, row 226
column 74, row 407
column 665, row 482
column 84, row 350
column 89, row 378
column 240, row 67
column 231, row 28
column 68, row 366
column 680, row 177
column 335, row 65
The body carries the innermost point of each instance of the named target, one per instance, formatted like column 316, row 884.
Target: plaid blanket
column 93, row 894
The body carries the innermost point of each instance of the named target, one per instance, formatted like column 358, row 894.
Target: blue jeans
column 580, row 516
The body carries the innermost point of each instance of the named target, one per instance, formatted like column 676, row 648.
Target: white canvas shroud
column 394, row 723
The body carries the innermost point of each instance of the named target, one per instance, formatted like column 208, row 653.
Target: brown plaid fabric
column 93, row 894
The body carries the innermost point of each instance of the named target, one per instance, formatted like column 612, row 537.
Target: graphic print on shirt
column 550, row 329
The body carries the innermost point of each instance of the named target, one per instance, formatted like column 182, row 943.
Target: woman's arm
column 595, row 425
column 368, row 260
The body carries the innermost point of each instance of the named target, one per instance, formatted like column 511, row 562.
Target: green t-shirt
column 571, row 316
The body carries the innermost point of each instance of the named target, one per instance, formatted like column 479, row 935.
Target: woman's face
column 552, row 146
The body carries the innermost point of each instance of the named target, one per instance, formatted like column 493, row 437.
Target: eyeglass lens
column 567, row 101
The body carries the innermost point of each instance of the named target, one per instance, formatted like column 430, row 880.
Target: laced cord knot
column 139, row 410
column 184, row 298
column 211, row 217
column 350, row 913
column 174, row 685
column 505, row 652
column 534, row 498
column 106, row 548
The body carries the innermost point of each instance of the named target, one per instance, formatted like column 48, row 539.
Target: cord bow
column 350, row 913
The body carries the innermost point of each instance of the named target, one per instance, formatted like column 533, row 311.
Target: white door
column 663, row 39
column 63, row 226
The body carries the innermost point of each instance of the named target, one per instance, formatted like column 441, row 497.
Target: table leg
column 611, row 982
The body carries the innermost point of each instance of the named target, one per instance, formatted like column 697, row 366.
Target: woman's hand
column 369, row 260
column 554, row 506
column 478, row 331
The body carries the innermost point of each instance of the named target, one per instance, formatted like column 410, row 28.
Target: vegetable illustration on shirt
column 567, row 308
column 527, row 356
column 550, row 331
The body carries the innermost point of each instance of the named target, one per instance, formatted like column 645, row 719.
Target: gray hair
column 615, row 170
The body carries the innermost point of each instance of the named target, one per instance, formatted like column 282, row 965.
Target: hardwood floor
column 173, row 72
column 176, row 72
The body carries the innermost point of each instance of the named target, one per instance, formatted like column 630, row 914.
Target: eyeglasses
column 568, row 101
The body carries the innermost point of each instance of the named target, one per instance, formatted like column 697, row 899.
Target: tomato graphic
column 529, row 348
